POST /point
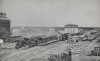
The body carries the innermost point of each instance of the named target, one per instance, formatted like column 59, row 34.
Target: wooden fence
column 61, row 57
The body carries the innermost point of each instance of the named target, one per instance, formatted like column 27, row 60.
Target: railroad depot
column 71, row 28
column 70, row 34
column 43, row 39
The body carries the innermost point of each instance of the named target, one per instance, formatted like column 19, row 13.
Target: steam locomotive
column 39, row 40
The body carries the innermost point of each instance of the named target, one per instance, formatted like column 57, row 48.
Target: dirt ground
column 41, row 53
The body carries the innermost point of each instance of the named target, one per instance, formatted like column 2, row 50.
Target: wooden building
column 64, row 35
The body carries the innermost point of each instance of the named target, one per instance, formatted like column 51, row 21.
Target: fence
column 61, row 57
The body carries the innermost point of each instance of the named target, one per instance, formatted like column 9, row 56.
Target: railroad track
column 87, row 46
column 42, row 48
column 38, row 52
column 25, row 58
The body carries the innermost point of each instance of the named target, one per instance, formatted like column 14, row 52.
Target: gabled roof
column 55, row 33
column 62, row 32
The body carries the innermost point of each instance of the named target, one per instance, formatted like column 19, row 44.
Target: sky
column 54, row 13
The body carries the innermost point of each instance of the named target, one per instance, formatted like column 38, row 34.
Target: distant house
column 71, row 28
column 52, row 29
column 64, row 35
column 56, row 34
column 59, row 28
column 96, row 51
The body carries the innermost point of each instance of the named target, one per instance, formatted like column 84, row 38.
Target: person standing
column 70, row 55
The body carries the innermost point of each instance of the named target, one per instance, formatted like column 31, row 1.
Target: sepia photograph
column 49, row 30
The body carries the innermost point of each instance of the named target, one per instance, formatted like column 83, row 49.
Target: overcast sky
column 52, row 12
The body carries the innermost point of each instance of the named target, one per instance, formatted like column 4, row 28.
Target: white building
column 71, row 28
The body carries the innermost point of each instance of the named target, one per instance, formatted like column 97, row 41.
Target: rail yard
column 47, row 46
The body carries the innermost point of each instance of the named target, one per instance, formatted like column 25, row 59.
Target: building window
column 3, row 15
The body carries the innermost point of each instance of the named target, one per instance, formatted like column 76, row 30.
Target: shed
column 15, row 36
column 64, row 35
column 55, row 34
column 97, row 47
column 75, row 38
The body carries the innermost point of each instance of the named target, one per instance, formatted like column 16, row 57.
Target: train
column 91, row 36
column 37, row 41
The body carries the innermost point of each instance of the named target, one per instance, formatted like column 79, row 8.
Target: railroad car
column 91, row 37
column 31, row 43
column 39, row 41
column 46, row 40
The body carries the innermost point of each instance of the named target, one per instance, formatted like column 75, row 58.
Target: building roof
column 2, row 18
column 15, row 34
column 71, row 26
column 55, row 34
column 62, row 32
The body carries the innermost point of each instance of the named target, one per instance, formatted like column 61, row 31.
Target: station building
column 71, row 28
column 4, row 27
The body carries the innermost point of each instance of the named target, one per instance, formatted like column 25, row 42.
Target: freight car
column 90, row 36
column 47, row 40
column 39, row 40
column 93, row 36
